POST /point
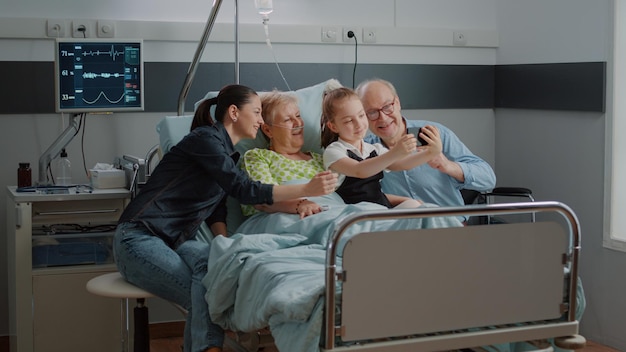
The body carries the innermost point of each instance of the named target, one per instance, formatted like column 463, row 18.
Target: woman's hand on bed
column 321, row 184
column 305, row 207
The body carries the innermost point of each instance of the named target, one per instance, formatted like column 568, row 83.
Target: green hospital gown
column 270, row 167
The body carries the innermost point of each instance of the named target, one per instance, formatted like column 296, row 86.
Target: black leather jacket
column 190, row 184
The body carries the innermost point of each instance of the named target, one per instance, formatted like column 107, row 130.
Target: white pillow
column 310, row 103
column 171, row 130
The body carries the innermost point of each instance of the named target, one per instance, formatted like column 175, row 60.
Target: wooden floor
column 167, row 337
column 596, row 347
column 168, row 340
column 172, row 344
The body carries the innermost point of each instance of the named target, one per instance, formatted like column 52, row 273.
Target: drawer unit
column 55, row 244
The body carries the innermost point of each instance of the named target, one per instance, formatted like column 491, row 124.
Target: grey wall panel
column 419, row 86
column 164, row 81
column 29, row 86
column 440, row 86
column 561, row 86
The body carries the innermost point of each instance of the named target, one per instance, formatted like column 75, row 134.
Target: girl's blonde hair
column 328, row 112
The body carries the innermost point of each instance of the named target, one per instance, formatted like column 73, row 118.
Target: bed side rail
column 517, row 232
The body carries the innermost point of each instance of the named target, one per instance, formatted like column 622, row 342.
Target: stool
column 115, row 286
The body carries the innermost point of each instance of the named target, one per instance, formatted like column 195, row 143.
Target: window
column 615, row 188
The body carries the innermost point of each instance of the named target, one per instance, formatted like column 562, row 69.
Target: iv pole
column 191, row 72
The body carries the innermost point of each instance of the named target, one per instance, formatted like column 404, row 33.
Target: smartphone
column 416, row 132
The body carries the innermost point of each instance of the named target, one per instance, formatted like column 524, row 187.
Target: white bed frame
column 452, row 288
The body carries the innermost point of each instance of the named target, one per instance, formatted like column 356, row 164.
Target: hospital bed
column 425, row 285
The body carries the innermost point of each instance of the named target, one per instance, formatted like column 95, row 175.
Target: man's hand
column 431, row 135
column 443, row 164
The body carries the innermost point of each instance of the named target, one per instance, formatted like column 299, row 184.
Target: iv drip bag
column 264, row 7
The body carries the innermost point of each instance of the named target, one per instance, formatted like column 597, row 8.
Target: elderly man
column 438, row 182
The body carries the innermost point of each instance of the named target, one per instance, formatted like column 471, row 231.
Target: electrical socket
column 329, row 34
column 459, row 38
column 55, row 28
column 82, row 28
column 106, row 29
column 369, row 35
column 346, row 30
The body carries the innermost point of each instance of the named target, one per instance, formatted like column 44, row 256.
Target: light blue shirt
column 432, row 186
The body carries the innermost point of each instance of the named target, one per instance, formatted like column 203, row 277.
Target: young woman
column 360, row 164
column 154, row 242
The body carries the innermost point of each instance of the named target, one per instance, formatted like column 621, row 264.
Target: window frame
column 614, row 234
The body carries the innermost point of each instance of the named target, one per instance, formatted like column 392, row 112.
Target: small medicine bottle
column 63, row 170
column 24, row 175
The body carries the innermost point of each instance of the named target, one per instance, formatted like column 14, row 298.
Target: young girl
column 359, row 164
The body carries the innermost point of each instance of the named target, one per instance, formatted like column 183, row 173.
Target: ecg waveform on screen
column 102, row 94
column 96, row 75
column 112, row 53
column 93, row 75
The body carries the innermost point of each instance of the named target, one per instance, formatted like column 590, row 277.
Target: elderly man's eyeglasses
column 374, row 114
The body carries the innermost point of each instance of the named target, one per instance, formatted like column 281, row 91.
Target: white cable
column 269, row 44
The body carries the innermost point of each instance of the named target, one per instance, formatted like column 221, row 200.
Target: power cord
column 82, row 142
column 356, row 44
column 83, row 30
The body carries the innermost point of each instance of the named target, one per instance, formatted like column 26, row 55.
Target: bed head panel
column 510, row 273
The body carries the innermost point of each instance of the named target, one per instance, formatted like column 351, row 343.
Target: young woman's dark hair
column 233, row 94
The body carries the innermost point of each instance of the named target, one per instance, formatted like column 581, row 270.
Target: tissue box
column 108, row 178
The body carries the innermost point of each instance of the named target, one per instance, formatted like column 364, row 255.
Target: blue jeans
column 174, row 275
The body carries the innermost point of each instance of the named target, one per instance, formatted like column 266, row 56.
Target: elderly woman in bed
column 284, row 161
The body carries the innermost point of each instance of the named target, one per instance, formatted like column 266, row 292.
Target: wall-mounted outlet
column 459, row 38
column 346, row 34
column 369, row 35
column 82, row 28
column 329, row 34
column 105, row 29
column 55, row 28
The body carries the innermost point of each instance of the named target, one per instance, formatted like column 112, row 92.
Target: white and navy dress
column 353, row 189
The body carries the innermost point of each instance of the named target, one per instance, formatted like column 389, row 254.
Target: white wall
column 560, row 154
column 410, row 32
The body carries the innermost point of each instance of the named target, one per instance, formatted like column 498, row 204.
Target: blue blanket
column 271, row 273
